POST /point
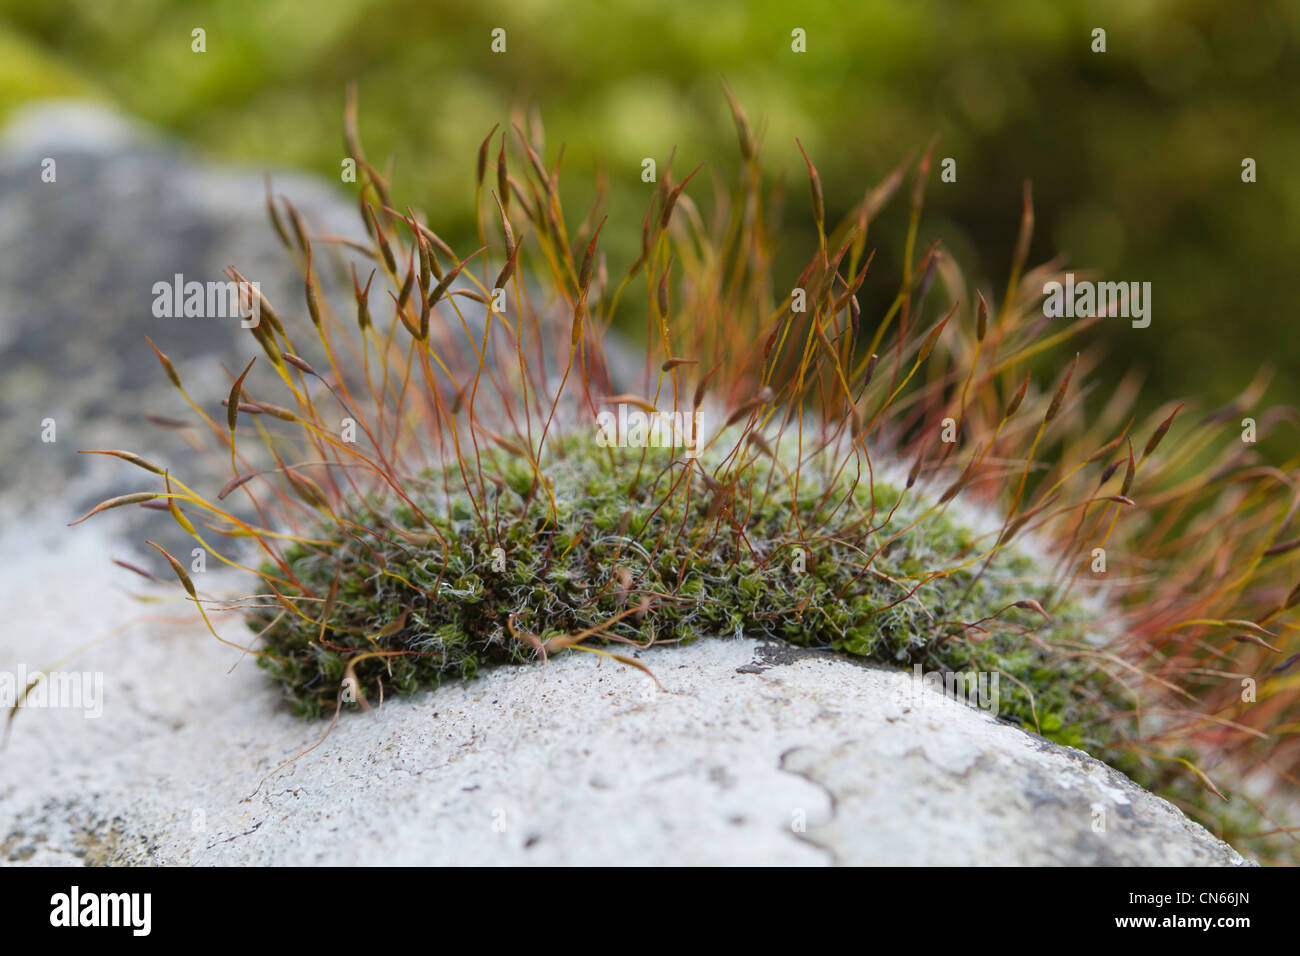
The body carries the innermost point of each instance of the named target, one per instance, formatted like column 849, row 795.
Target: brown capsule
column 764, row 397
column 136, row 497
column 645, row 235
column 1161, row 431
column 932, row 339
column 404, row 293
column 268, row 313
column 401, row 314
column 380, row 187
column 167, row 365
column 759, row 442
column 914, row 472
column 481, row 169
column 509, row 444
column 969, row 471
column 162, row 421
column 176, row 569
column 703, row 386
column 175, row 510
column 1014, row 528
column 364, row 208
column 662, row 297
column 815, row 183
column 588, row 258
column 232, row 403
column 436, row 242
column 299, row 229
column 503, row 177
column 434, row 265
column 276, row 222
column 426, row 262
column 267, row 340
column 128, row 456
column 855, row 421
column 363, row 298
column 871, row 369
column 1282, row 548
column 301, row 364
column 671, row 201
column 351, row 141
column 1029, row 604
column 538, row 168
column 1293, row 598
column 1016, row 399
column 135, row 568
column 381, row 241
column 393, row 627
column 307, row 490
column 1130, row 472
column 579, row 324
column 1105, row 450
column 234, row 483
column 927, row 277
column 507, row 271
column 1054, row 409
column 1286, row 664
column 283, row 414
column 247, row 291
column 953, row 490
column 313, row 304
column 516, row 190
column 506, row 229
column 981, row 317
column 747, row 149
column 248, row 408
column 425, row 311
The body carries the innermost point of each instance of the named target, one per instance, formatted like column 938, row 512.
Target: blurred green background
column 1135, row 154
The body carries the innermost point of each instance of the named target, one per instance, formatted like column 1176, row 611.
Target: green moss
column 622, row 529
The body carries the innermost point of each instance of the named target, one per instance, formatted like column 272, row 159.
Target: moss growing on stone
column 625, row 547
column 380, row 575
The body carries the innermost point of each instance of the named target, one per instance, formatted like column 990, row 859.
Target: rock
column 753, row 754
column 79, row 258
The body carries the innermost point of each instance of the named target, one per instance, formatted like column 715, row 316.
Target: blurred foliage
column 1135, row 154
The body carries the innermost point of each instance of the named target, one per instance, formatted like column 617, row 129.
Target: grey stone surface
column 752, row 754
column 78, row 261
column 79, row 258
